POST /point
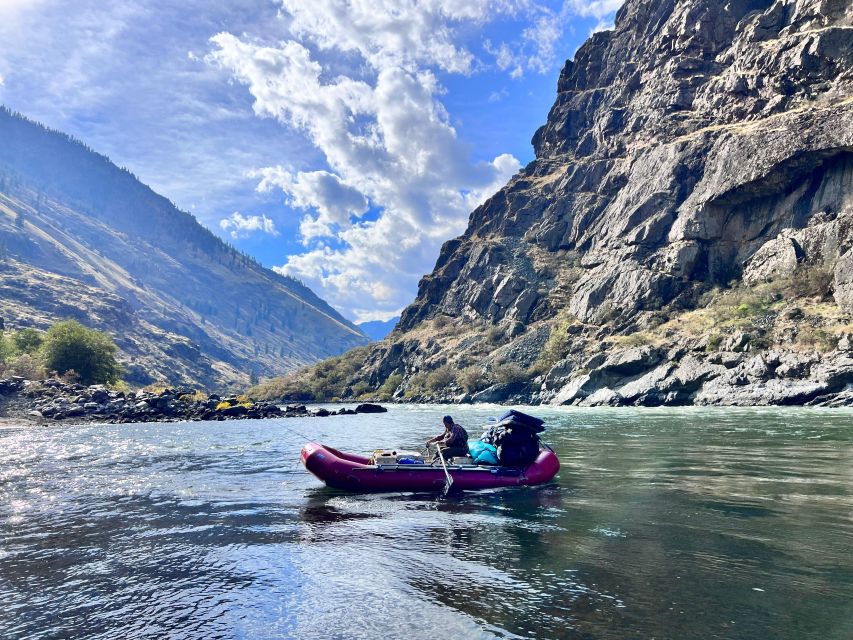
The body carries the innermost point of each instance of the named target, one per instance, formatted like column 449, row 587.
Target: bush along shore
column 53, row 400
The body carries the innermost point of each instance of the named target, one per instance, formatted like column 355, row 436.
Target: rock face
column 696, row 146
column 695, row 139
column 81, row 238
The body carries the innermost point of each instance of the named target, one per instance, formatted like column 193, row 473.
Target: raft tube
column 355, row 473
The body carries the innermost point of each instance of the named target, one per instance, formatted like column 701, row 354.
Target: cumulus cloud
column 595, row 8
column 536, row 49
column 497, row 96
column 240, row 226
column 334, row 202
column 386, row 138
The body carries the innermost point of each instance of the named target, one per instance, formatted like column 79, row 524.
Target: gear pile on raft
column 510, row 453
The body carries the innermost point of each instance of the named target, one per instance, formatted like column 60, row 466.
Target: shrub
column 70, row 346
column 509, row 373
column 440, row 378
column 714, row 342
column 416, row 385
column 556, row 347
column 391, row 384
column 155, row 388
column 223, row 405
column 7, row 348
column 494, row 335
column 120, row 386
column 638, row 339
column 820, row 339
column 809, row 281
column 26, row 366
column 28, row 340
column 195, row 396
column 360, row 388
column 70, row 377
column 472, row 379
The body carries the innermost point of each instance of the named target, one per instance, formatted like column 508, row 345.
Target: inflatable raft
column 356, row 473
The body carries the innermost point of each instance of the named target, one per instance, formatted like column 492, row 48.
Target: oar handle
column 446, row 472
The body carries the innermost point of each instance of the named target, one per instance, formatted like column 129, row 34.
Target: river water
column 671, row 523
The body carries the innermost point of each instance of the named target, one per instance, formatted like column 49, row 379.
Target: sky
column 337, row 141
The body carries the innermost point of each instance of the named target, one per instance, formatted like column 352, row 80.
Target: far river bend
column 670, row 523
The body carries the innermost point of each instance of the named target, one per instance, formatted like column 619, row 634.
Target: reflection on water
column 676, row 523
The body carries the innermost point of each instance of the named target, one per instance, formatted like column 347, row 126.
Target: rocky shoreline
column 48, row 401
column 681, row 373
column 651, row 376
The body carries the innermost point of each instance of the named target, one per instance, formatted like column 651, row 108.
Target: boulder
column 74, row 410
column 738, row 341
column 631, row 361
column 776, row 258
column 836, row 371
column 577, row 388
column 501, row 392
column 843, row 281
column 646, row 389
column 558, row 375
column 692, row 372
column 368, row 407
column 236, row 411
column 604, row 397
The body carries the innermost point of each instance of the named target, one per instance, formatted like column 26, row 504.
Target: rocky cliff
column 684, row 235
column 81, row 238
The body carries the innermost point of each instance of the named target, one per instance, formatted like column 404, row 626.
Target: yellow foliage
column 195, row 396
column 223, row 405
column 155, row 388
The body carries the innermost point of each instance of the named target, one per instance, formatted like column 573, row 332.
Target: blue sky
column 339, row 142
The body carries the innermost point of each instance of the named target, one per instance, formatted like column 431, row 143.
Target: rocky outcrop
column 692, row 140
column 768, row 378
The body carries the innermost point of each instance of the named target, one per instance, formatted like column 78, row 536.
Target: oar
column 449, row 482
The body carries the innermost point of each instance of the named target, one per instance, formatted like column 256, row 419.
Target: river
column 663, row 523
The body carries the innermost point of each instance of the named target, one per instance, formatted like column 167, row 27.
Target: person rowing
column 453, row 442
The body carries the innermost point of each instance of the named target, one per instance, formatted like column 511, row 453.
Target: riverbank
column 47, row 401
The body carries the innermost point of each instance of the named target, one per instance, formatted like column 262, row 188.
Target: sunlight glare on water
column 670, row 523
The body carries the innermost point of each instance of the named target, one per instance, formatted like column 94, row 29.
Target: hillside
column 81, row 238
column 684, row 235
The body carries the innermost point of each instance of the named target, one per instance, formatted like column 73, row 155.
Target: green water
column 671, row 523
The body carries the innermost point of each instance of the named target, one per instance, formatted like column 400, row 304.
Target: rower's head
column 448, row 421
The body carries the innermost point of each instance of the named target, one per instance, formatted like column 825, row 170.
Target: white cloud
column 240, row 226
column 594, row 8
column 334, row 202
column 543, row 36
column 386, row 138
column 497, row 96
column 536, row 49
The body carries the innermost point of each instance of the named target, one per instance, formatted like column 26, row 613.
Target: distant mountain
column 82, row 238
column 377, row 329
